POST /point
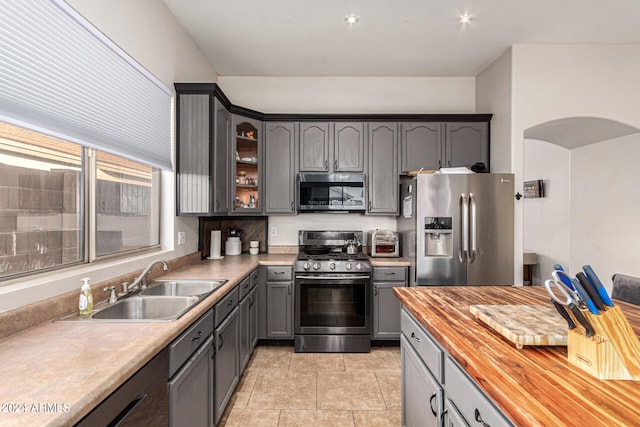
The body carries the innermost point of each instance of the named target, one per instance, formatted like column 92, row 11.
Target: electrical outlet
column 274, row 231
column 181, row 238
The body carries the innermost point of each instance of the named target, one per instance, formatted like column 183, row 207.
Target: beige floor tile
column 239, row 399
column 390, row 385
column 331, row 362
column 270, row 358
column 247, row 381
column 356, row 390
column 284, row 390
column 377, row 418
column 377, row 359
column 245, row 417
column 316, row 418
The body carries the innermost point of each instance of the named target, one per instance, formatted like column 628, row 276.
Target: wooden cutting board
column 524, row 324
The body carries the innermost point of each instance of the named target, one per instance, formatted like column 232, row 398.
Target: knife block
column 613, row 353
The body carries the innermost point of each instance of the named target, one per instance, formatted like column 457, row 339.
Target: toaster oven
column 383, row 243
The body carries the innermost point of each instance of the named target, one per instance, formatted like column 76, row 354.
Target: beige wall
column 352, row 94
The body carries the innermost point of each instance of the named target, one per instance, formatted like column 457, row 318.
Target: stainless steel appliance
column 457, row 229
column 383, row 243
column 331, row 192
column 332, row 310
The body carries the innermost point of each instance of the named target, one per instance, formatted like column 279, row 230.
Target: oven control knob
column 306, row 266
column 316, row 266
column 332, row 265
column 348, row 266
column 358, row 266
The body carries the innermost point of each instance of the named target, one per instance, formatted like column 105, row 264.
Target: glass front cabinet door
column 248, row 140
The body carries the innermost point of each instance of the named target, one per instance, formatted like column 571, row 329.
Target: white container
column 254, row 251
column 254, row 243
column 232, row 246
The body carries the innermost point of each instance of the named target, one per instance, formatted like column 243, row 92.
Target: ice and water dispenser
column 438, row 237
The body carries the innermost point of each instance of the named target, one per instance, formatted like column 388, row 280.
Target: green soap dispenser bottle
column 85, row 304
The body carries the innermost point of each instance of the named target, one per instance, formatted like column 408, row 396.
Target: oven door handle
column 360, row 277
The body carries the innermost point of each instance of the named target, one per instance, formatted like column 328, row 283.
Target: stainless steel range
column 332, row 293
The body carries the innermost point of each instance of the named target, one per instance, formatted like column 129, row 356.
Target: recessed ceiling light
column 352, row 19
column 465, row 19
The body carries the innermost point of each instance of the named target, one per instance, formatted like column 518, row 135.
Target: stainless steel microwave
column 331, row 192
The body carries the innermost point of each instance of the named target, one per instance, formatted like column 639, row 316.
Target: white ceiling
column 393, row 37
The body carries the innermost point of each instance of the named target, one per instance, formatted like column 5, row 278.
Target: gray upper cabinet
column 314, row 147
column 348, row 147
column 432, row 145
column 466, row 143
column 383, row 181
column 194, row 167
column 222, row 141
column 280, row 167
column 420, row 146
column 332, row 147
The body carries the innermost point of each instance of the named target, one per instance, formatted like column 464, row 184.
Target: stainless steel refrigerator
column 457, row 229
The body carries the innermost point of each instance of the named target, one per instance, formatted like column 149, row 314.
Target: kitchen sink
column 199, row 288
column 147, row 308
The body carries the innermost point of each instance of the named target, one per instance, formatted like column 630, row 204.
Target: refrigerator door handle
column 463, row 248
column 473, row 224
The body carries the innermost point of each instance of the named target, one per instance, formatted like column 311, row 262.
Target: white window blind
column 60, row 76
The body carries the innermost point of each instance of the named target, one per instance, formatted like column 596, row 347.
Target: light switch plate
column 181, row 237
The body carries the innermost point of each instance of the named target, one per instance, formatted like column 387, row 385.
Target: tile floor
column 283, row 388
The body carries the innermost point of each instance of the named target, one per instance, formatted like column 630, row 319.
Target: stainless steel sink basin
column 147, row 308
column 199, row 288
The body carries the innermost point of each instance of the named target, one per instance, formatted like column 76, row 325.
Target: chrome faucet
column 141, row 281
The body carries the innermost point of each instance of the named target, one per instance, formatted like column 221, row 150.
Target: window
column 45, row 220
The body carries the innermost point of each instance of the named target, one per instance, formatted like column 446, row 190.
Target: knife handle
column 595, row 280
column 591, row 290
column 584, row 296
column 563, row 312
column 582, row 320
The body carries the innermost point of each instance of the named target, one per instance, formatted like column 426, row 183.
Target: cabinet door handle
column 326, row 164
column 278, row 272
column 449, row 162
column 196, row 338
column 217, row 204
column 292, row 206
column 442, row 415
column 289, row 289
column 413, row 335
column 431, row 399
column 375, row 290
column 369, row 204
column 335, row 164
column 221, row 343
column 230, row 303
column 478, row 417
column 439, row 164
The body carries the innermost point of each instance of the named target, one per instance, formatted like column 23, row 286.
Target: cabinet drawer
column 253, row 278
column 244, row 287
column 395, row 274
column 430, row 353
column 472, row 403
column 279, row 273
column 183, row 347
column 226, row 305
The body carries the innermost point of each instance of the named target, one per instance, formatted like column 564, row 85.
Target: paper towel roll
column 216, row 239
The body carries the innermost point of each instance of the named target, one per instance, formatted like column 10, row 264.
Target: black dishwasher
column 141, row 401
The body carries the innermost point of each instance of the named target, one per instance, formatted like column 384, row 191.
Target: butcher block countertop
column 535, row 386
column 56, row 373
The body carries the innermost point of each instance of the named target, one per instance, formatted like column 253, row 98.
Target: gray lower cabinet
column 226, row 362
column 432, row 145
column 386, row 307
column 253, row 319
column 191, row 375
column 248, row 312
column 279, row 303
column 280, row 167
column 421, row 393
column 383, row 185
column 435, row 388
column 191, row 390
